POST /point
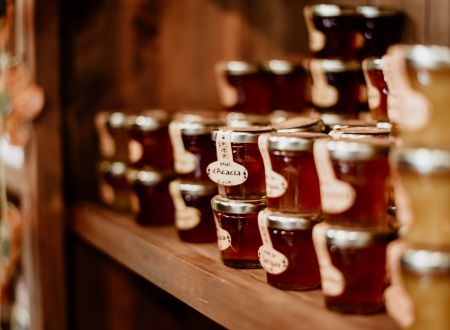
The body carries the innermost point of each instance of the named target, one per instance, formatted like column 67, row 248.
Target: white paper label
column 184, row 161
column 316, row 37
column 333, row 282
column 276, row 184
column 273, row 261
column 107, row 146
column 322, row 94
column 225, row 171
column 408, row 108
column 106, row 193
column 227, row 93
column 135, row 151
column 186, row 217
column 336, row 195
column 223, row 237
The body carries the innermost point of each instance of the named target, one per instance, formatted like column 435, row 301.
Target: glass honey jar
column 425, row 175
column 333, row 31
column 338, row 87
column 377, row 89
column 242, row 87
column 288, row 254
column 426, row 278
column 113, row 186
column 194, row 219
column 151, row 202
column 292, row 184
column 237, row 231
column 149, row 143
column 353, row 268
column 288, row 85
column 239, row 168
column 112, row 134
column 354, row 178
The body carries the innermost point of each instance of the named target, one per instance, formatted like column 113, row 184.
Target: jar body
column 113, row 189
column 288, row 91
column 379, row 110
column 302, row 272
column 204, row 150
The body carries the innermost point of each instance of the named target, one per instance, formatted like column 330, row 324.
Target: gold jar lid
column 149, row 120
column 294, row 141
column 226, row 205
column 424, row 161
column 360, row 149
column 244, row 134
column 237, row 68
column 285, row 221
column 358, row 238
column 426, row 262
column 282, row 67
column 116, row 169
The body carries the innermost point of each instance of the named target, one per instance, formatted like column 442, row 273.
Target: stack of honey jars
column 192, row 191
column 418, row 78
column 340, row 37
column 351, row 243
column 137, row 164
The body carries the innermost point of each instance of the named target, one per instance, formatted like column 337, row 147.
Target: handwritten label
column 186, row 217
column 106, row 193
column 408, row 108
column 276, row 184
column 316, row 38
column 322, row 94
column 337, row 196
column 223, row 237
column 135, row 151
column 106, row 142
column 184, row 161
column 225, row 171
column 333, row 282
column 227, row 93
column 273, row 261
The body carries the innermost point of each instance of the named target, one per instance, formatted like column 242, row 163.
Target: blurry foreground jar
column 113, row 186
column 193, row 215
column 150, row 199
column 377, row 89
column 353, row 268
column 239, row 169
column 112, row 134
column 149, row 143
column 288, row 254
column 237, row 231
column 425, row 174
column 426, row 277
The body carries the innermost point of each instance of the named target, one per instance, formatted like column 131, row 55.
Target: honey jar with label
column 112, row 134
column 238, row 235
column 113, row 186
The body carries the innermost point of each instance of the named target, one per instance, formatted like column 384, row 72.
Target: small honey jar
column 113, row 186
column 112, row 134
column 377, row 89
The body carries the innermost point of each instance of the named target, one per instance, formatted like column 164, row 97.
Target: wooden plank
column 195, row 275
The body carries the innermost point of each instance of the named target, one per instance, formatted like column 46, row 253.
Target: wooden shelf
column 195, row 274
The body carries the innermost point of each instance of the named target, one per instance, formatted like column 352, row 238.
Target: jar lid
column 373, row 63
column 298, row 124
column 116, row 169
column 357, row 132
column 238, row 68
column 239, row 119
column 294, row 141
column 198, row 189
column 225, row 205
column 189, row 115
column 147, row 177
column 205, row 126
column 115, row 119
column 149, row 120
column 285, row 221
column 281, row 67
column 427, row 57
column 333, row 121
column 424, row 161
column 360, row 149
column 328, row 10
column 426, row 261
column 358, row 238
column 335, row 65
column 244, row 134
column 375, row 11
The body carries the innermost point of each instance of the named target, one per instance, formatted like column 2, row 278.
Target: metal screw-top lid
column 225, row 205
column 115, row 119
column 375, row 11
column 198, row 189
column 239, row 119
column 328, row 10
column 334, row 121
column 357, row 132
column 358, row 238
column 373, row 63
column 205, row 126
column 294, row 141
column 285, row 221
column 300, row 124
column 147, row 177
column 238, row 68
column 244, row 134
column 424, row 161
column 427, row 57
column 335, row 65
column 116, row 169
column 360, row 149
column 149, row 120
column 190, row 115
column 426, row 262
column 281, row 67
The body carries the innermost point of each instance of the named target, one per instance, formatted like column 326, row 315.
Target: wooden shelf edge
column 194, row 274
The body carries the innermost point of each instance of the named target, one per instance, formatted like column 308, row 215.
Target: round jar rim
column 336, row 65
column 294, row 141
column 199, row 127
column 149, row 120
column 350, row 237
column 248, row 134
column 424, row 161
column 285, row 221
column 198, row 189
column 281, row 67
column 357, row 132
column 238, row 67
column 239, row 119
column 297, row 122
column 358, row 149
column 426, row 261
column 116, row 169
column 334, row 120
column 427, row 56
column 225, row 205
column 373, row 63
column 146, row 177
column 115, row 119
column 372, row 11
column 331, row 10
